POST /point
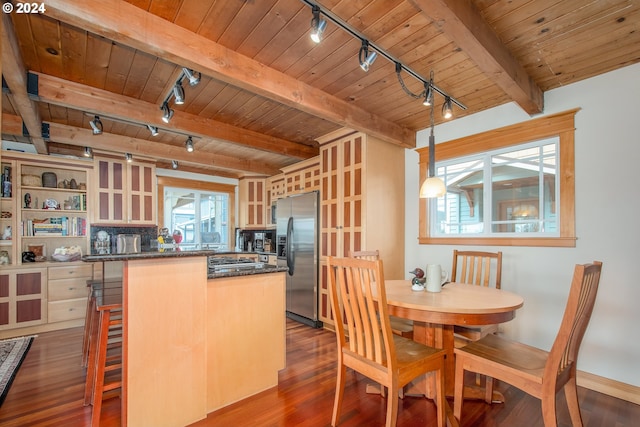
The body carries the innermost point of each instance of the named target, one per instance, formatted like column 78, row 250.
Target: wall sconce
column 167, row 112
column 189, row 145
column 128, row 157
column 96, row 125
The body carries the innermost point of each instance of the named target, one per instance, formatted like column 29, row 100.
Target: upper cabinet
column 125, row 192
column 252, row 206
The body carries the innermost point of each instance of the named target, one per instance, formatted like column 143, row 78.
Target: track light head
column 96, row 125
column 428, row 95
column 189, row 145
column 318, row 25
column 128, row 157
column 365, row 57
column 178, row 93
column 153, row 130
column 174, row 164
column 447, row 109
column 194, row 77
column 88, row 152
column 167, row 112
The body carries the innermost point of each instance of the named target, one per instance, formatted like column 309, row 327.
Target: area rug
column 12, row 353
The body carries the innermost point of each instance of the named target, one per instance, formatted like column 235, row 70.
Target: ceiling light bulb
column 369, row 57
column 96, row 125
column 317, row 25
column 174, row 164
column 87, row 151
column 153, row 130
column 178, row 93
column 189, row 145
column 194, row 78
column 128, row 157
column 447, row 109
column 167, row 113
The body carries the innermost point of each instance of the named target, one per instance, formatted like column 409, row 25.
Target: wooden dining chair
column 478, row 268
column 399, row 326
column 537, row 372
column 365, row 341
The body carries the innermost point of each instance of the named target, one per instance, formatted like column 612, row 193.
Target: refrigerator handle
column 290, row 254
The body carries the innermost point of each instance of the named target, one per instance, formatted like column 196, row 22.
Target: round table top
column 457, row 303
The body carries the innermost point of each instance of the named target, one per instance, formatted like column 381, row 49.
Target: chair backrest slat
column 582, row 296
column 475, row 267
column 357, row 289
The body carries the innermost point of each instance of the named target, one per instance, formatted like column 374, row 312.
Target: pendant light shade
column 432, row 186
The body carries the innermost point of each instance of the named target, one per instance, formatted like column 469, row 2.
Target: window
column 200, row 211
column 508, row 194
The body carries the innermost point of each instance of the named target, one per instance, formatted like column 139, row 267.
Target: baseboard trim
column 609, row 387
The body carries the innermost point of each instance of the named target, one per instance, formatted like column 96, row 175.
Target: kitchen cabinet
column 302, row 177
column 23, row 297
column 125, row 192
column 361, row 203
column 275, row 190
column 67, row 291
column 8, row 213
column 252, row 206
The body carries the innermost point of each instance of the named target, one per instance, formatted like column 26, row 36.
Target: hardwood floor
column 48, row 391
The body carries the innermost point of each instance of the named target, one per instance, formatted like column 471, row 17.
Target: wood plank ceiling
column 267, row 91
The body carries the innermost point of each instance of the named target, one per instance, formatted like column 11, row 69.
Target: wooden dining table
column 434, row 315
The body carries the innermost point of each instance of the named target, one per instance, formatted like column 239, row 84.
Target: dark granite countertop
column 234, row 272
column 148, row 254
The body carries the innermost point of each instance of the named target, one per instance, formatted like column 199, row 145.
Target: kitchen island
column 193, row 344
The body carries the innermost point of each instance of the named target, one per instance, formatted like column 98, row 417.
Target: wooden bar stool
column 94, row 286
column 104, row 368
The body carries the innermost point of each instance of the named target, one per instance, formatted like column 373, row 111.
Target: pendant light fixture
column 432, row 186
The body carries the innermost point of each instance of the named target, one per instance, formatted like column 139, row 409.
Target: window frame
column 561, row 125
column 164, row 181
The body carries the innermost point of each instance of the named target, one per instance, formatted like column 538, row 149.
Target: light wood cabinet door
column 142, row 193
column 23, row 297
column 252, row 194
column 110, row 191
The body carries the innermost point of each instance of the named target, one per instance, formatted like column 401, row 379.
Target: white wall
column 607, row 160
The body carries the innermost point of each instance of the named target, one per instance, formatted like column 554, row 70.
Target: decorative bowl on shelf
column 67, row 253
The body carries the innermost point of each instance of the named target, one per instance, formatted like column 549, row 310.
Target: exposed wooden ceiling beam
column 119, row 144
column 159, row 37
column 15, row 74
column 81, row 97
column 11, row 125
column 461, row 22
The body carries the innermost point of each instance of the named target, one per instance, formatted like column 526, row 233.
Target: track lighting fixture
column 178, row 93
column 447, row 110
column 318, row 25
column 167, row 112
column 87, row 151
column 194, row 77
column 428, row 95
column 174, row 164
column 96, row 125
column 153, row 130
column 189, row 145
column 128, row 157
column 365, row 57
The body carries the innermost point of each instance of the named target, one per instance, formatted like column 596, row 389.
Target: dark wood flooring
column 48, row 391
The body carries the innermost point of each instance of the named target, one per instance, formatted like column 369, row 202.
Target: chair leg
column 549, row 411
column 571, row 394
column 488, row 390
column 392, row 405
column 458, row 387
column 441, row 403
column 337, row 403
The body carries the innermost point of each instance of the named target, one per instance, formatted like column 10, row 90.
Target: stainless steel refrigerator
column 297, row 248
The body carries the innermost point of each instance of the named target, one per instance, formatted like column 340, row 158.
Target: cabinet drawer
column 62, row 289
column 66, row 272
column 60, row 311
